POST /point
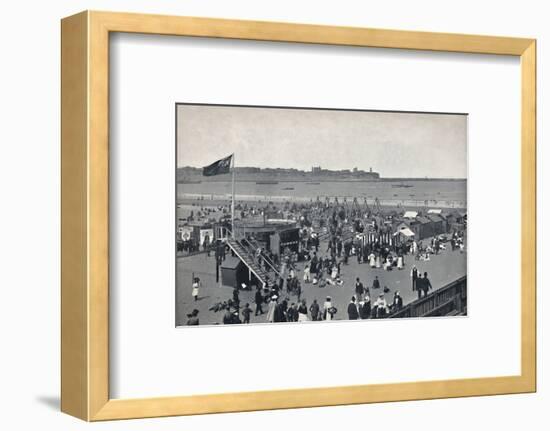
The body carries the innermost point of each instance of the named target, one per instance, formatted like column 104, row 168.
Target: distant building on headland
column 248, row 173
column 355, row 173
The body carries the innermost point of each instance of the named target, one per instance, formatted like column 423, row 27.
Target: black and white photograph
column 294, row 215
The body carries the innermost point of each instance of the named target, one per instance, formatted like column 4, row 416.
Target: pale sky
column 393, row 144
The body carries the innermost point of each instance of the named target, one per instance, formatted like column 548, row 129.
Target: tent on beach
column 405, row 231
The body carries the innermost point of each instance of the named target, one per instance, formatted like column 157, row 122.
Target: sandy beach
column 442, row 269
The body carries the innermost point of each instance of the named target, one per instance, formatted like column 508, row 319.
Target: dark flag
column 217, row 168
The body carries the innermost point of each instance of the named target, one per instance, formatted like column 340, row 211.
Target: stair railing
column 265, row 258
column 240, row 254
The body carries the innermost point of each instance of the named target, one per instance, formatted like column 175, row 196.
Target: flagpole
column 233, row 196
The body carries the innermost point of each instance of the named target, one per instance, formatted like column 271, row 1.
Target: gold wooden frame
column 85, row 224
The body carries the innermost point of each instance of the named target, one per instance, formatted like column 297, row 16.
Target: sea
column 415, row 193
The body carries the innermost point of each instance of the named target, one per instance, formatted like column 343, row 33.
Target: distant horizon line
column 350, row 171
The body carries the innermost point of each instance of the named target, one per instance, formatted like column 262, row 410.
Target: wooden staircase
column 266, row 260
column 246, row 255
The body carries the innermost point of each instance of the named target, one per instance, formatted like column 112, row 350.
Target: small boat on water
column 402, row 185
column 267, row 182
column 288, row 188
column 311, row 183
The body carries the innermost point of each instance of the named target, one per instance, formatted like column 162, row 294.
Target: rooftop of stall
column 260, row 226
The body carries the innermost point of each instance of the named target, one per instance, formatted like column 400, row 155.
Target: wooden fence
column 448, row 300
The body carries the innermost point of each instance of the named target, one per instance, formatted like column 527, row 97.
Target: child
column 246, row 313
column 196, row 285
column 307, row 277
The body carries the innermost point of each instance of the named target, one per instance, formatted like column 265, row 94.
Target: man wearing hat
column 314, row 310
column 359, row 289
column 419, row 284
column 426, row 285
column 236, row 299
column 397, row 301
column 414, row 276
column 246, row 313
column 258, row 300
column 365, row 307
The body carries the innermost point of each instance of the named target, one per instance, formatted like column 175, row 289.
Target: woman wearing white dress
column 400, row 262
column 271, row 309
column 378, row 263
column 307, row 274
column 372, row 260
column 327, row 306
column 381, row 306
column 196, row 285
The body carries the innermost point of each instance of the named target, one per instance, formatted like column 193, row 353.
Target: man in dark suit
column 236, row 299
column 258, row 300
column 280, row 311
column 397, row 302
column 365, row 310
column 426, row 285
column 359, row 289
column 281, row 284
column 420, row 285
column 359, row 253
column 414, row 277
column 314, row 310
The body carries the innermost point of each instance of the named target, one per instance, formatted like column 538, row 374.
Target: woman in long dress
column 381, row 306
column 271, row 309
column 378, row 263
column 195, row 292
column 302, row 312
column 372, row 260
column 307, row 274
column 400, row 262
column 326, row 308
column 334, row 273
column 366, row 308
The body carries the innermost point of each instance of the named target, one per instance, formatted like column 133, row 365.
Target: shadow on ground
column 50, row 401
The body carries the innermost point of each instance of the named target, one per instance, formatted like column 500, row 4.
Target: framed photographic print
column 266, row 215
column 328, row 242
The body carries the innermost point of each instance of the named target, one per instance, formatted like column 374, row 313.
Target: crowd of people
column 280, row 306
column 360, row 307
column 346, row 233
